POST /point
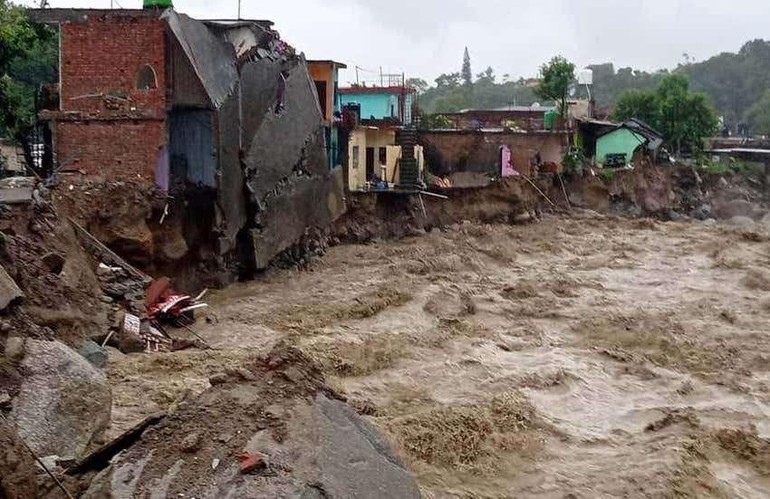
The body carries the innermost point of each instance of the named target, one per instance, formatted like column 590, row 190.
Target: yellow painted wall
column 360, row 140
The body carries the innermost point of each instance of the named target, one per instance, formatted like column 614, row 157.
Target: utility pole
column 239, row 10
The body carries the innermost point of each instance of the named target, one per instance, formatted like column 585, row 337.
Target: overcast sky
column 425, row 38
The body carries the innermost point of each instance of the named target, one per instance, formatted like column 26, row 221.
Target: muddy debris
column 290, row 436
column 458, row 354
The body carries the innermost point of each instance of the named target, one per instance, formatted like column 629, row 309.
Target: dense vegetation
column 737, row 84
column 683, row 117
column 28, row 59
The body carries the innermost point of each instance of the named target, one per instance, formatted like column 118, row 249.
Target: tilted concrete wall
column 285, row 160
column 231, row 200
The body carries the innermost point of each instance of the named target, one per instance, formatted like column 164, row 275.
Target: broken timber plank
column 105, row 254
column 100, row 458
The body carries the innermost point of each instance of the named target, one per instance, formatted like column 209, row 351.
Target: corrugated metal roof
column 212, row 59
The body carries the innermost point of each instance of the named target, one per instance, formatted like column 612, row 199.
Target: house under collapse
column 221, row 116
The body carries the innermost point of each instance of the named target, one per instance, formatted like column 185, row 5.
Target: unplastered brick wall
column 104, row 56
column 480, row 151
column 119, row 150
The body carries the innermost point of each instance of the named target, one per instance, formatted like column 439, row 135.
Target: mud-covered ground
column 583, row 356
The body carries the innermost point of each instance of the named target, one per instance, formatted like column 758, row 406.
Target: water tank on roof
column 586, row 77
column 158, row 4
column 550, row 119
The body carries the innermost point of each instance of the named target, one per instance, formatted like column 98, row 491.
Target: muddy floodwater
column 586, row 356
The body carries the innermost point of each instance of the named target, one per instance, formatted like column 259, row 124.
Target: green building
column 617, row 147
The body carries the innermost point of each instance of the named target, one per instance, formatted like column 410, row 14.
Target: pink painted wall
column 506, row 157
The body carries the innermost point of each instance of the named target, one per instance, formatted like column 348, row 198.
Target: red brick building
column 221, row 115
column 113, row 94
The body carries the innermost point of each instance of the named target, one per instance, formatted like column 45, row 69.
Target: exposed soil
column 17, row 480
column 582, row 356
column 42, row 255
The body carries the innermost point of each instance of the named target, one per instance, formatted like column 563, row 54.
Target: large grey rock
column 329, row 452
column 64, row 402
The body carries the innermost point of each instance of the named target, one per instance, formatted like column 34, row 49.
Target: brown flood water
column 580, row 357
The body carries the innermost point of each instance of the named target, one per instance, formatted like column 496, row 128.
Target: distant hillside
column 733, row 81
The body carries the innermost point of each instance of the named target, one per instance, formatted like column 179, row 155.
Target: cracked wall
column 285, row 160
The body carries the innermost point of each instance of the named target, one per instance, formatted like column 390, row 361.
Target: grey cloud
column 427, row 37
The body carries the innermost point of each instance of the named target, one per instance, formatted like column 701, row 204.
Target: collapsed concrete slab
column 288, row 178
column 20, row 195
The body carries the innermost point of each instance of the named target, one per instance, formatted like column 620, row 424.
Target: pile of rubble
column 270, row 428
column 119, row 287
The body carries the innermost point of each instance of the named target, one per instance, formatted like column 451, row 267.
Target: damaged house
column 220, row 118
column 614, row 145
column 383, row 153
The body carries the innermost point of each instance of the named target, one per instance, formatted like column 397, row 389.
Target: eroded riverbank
column 591, row 355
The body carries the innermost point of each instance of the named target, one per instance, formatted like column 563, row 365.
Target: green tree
column 467, row 72
column 685, row 117
column 555, row 79
column 640, row 104
column 418, row 84
column 682, row 116
column 28, row 59
column 758, row 115
column 448, row 80
column 487, row 77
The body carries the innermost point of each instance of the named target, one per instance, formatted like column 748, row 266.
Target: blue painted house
column 393, row 104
